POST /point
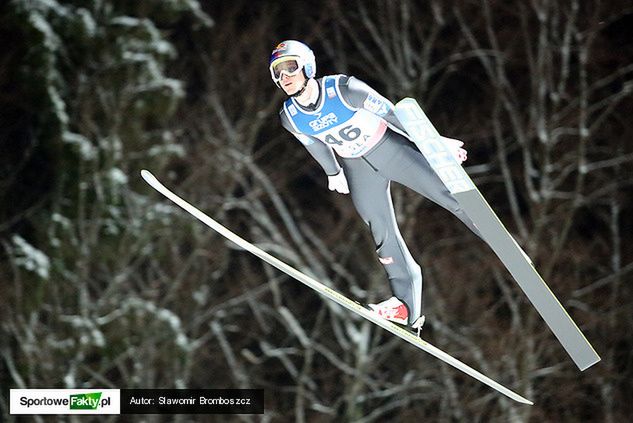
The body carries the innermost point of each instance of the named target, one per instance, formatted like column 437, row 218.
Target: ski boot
column 396, row 311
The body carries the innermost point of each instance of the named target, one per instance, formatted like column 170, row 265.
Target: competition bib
column 351, row 132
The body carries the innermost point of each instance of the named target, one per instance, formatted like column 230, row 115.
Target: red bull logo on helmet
column 278, row 51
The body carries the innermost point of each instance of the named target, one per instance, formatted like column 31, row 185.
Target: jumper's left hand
column 338, row 182
column 455, row 146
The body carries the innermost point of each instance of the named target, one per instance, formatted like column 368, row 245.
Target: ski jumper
column 353, row 127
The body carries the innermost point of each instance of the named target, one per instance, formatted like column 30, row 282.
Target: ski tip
column 147, row 175
column 525, row 401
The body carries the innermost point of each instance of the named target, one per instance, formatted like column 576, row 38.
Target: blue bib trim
column 332, row 112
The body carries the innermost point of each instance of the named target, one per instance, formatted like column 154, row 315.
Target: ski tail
column 458, row 182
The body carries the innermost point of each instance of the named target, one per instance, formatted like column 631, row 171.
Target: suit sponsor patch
column 376, row 105
column 323, row 122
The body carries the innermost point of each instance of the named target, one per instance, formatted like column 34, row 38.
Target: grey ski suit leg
column 396, row 159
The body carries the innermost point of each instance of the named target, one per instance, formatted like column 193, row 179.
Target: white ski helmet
column 291, row 49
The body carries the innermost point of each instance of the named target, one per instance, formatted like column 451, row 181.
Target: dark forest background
column 106, row 284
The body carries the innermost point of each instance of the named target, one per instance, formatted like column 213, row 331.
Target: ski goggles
column 288, row 66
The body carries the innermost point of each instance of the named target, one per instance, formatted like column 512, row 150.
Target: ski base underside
column 428, row 140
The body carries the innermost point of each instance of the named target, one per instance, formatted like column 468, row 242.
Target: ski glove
column 455, row 147
column 338, row 183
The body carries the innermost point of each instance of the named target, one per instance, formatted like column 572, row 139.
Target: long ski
column 427, row 139
column 328, row 292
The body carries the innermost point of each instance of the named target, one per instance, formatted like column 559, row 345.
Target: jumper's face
column 289, row 75
column 292, row 84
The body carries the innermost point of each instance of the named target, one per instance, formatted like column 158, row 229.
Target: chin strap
column 298, row 93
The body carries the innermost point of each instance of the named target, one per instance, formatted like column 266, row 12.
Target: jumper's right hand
column 455, row 147
column 338, row 183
